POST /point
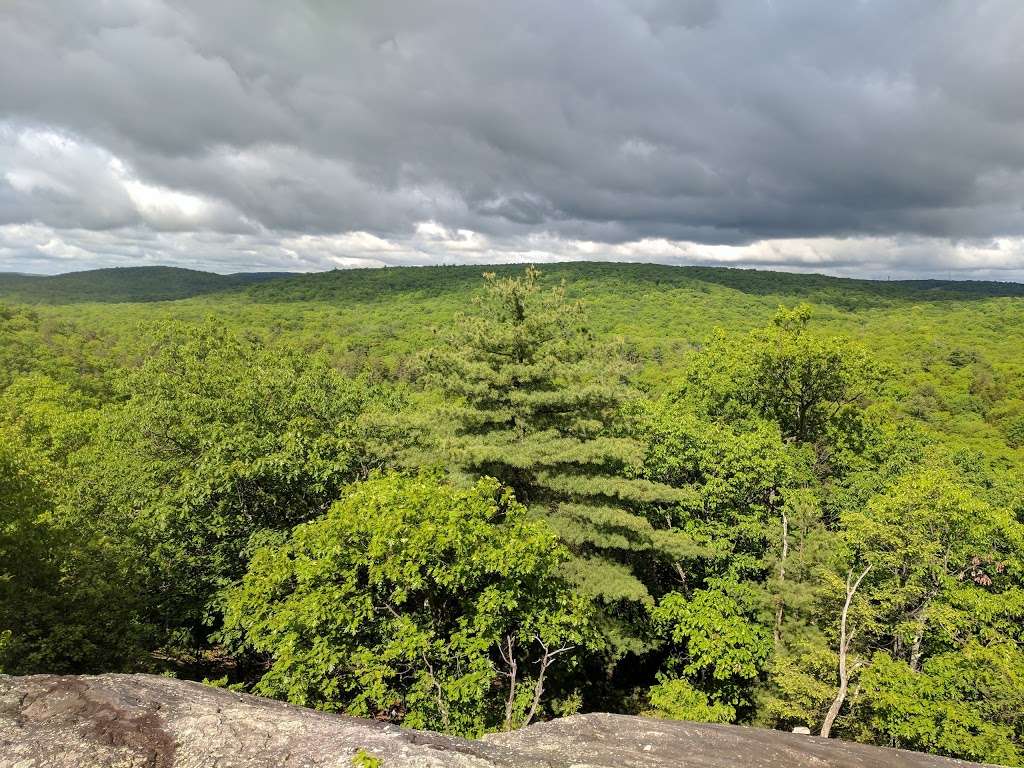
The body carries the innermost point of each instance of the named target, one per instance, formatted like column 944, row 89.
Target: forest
column 467, row 499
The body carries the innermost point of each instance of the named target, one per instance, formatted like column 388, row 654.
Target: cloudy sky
column 851, row 137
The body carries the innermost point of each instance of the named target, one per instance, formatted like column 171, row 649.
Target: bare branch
column 545, row 662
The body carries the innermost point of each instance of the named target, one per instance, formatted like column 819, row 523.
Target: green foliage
column 695, row 498
column 1014, row 431
column 361, row 284
column 64, row 592
column 410, row 598
column 121, row 284
column 676, row 699
column 947, row 564
column 968, row 704
column 363, row 759
column 734, row 473
column 801, row 686
column 718, row 645
column 56, row 348
column 220, row 440
column 805, row 382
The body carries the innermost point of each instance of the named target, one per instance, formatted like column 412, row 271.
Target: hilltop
column 121, row 284
column 370, row 284
column 147, row 284
column 381, row 318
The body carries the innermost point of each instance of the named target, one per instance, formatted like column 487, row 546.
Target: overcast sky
column 848, row 137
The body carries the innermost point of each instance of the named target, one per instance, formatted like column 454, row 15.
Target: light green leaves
column 717, row 641
column 399, row 599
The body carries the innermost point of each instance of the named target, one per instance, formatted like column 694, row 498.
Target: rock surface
column 142, row 721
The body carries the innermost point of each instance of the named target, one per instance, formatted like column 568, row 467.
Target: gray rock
column 142, row 721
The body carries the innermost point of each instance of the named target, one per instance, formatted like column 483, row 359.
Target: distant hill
column 145, row 284
column 122, row 284
column 371, row 284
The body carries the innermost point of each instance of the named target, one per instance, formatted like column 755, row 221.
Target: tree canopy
column 468, row 505
column 414, row 596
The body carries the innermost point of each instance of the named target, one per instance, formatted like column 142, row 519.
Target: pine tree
column 534, row 402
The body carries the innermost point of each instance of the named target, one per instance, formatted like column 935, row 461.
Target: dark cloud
column 717, row 122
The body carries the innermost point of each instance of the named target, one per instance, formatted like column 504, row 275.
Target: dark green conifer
column 534, row 402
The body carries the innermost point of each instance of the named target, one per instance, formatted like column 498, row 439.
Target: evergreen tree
column 534, row 402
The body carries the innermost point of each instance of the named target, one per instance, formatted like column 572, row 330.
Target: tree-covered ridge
column 954, row 360
column 158, row 283
column 371, row 284
column 121, row 284
column 525, row 497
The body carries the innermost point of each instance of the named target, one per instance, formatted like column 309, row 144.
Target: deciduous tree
column 413, row 600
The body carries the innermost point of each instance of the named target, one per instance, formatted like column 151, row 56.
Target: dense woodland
column 469, row 502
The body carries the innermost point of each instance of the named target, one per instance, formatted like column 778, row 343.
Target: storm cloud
column 862, row 137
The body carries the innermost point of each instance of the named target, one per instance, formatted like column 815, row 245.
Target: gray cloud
column 150, row 128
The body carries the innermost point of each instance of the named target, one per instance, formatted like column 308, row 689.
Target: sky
column 855, row 137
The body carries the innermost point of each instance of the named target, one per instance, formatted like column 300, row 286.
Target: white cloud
column 44, row 249
column 57, row 179
column 439, row 238
column 865, row 138
column 165, row 208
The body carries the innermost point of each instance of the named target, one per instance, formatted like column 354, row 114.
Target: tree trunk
column 844, row 647
column 921, row 614
column 915, row 647
column 442, row 705
column 801, row 419
column 513, row 667
column 780, row 612
column 538, row 691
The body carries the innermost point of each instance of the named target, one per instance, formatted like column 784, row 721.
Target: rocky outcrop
column 142, row 721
